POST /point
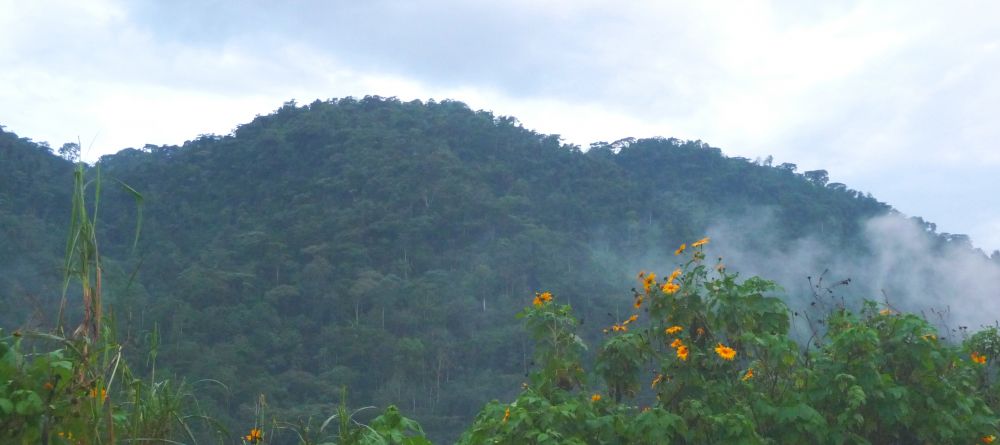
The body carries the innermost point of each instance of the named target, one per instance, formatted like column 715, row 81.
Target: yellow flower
column 748, row 375
column 104, row 393
column 595, row 398
column 885, row 311
column 989, row 439
column 669, row 288
column 630, row 319
column 673, row 275
column 638, row 301
column 657, row 380
column 682, row 352
column 680, row 249
column 725, row 352
column 676, row 343
column 979, row 358
column 701, row 242
column 506, row 415
column 649, row 281
column 929, row 337
column 255, row 436
column 673, row 330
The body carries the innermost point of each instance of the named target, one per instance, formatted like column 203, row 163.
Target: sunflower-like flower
column 656, row 381
column 506, row 415
column 725, row 352
column 595, row 398
column 649, row 281
column 673, row 330
column 701, row 242
column 979, row 358
column 680, row 249
column 673, row 275
column 638, row 301
column 748, row 375
column 542, row 298
column 255, row 436
column 676, row 343
column 670, row 288
column 988, row 439
column 682, row 352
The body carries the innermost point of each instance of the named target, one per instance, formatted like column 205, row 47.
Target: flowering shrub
column 711, row 358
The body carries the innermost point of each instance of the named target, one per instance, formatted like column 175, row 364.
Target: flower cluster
column 979, row 358
column 542, row 298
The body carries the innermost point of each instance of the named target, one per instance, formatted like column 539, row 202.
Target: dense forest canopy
column 384, row 246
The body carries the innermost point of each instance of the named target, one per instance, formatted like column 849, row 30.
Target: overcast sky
column 900, row 99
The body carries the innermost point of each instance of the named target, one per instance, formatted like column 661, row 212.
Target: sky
column 899, row 99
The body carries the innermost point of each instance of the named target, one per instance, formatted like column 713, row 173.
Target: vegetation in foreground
column 704, row 358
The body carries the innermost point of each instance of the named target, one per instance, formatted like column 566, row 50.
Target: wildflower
column 630, row 319
column 673, row 275
column 748, row 375
column 680, row 249
column 885, row 311
column 725, row 352
column 542, row 298
column 989, row 439
column 682, row 352
column 673, row 330
column 979, row 358
column 595, row 398
column 656, row 381
column 638, row 301
column 701, row 242
column 48, row 386
column 506, row 415
column 649, row 281
column 700, row 331
column 929, row 337
column 255, row 436
column 104, row 393
column 676, row 343
column 669, row 288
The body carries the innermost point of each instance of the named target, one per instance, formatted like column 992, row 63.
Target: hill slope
column 384, row 246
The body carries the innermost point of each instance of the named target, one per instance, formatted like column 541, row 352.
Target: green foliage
column 873, row 377
column 382, row 245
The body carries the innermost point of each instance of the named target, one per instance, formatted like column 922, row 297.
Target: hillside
column 384, row 246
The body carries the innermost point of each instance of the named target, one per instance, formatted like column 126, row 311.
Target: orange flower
column 255, row 436
column 669, row 288
column 682, row 352
column 649, row 281
column 989, row 439
column 638, row 301
column 673, row 275
column 48, row 386
column 595, row 398
column 676, row 343
column 104, row 393
column 748, row 375
column 542, row 298
column 701, row 242
column 506, row 415
column 680, row 249
column 725, row 352
column 979, row 358
column 673, row 330
column 657, row 380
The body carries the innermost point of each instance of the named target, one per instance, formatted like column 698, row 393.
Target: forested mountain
column 384, row 246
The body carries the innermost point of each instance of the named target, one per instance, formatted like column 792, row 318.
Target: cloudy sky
column 900, row 99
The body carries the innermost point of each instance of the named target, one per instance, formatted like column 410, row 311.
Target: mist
column 905, row 269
